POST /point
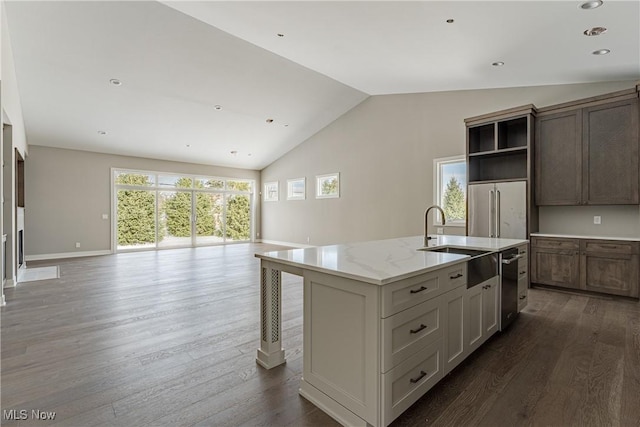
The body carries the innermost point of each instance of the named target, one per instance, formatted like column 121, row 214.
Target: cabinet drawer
column 523, row 292
column 454, row 276
column 523, row 270
column 405, row 333
column 568, row 244
column 609, row 246
column 408, row 381
column 401, row 295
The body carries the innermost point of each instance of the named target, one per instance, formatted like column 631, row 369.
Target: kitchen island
column 384, row 321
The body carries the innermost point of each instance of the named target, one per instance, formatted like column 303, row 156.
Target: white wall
column 384, row 150
column 11, row 106
column 67, row 191
column 11, row 114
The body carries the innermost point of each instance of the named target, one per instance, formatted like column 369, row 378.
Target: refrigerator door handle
column 497, row 213
column 491, row 212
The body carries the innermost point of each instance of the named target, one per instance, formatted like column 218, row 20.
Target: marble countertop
column 579, row 236
column 384, row 261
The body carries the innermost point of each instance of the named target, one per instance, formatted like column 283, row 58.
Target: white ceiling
column 177, row 60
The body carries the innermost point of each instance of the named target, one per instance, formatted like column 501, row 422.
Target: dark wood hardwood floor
column 169, row 338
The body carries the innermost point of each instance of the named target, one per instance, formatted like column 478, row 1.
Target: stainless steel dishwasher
column 509, row 284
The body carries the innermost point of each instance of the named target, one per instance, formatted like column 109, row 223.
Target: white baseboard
column 3, row 302
column 290, row 244
column 10, row 283
column 66, row 255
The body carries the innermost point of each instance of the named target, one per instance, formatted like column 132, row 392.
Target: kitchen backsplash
column 616, row 221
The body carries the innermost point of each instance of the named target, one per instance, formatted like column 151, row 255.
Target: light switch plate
column 597, row 219
column 105, row 216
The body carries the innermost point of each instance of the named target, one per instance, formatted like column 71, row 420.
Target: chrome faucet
column 426, row 223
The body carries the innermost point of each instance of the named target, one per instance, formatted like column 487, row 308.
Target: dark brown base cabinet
column 606, row 266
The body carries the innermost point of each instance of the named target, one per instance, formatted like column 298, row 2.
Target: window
column 156, row 210
column 328, row 186
column 451, row 189
column 296, row 189
column 271, row 191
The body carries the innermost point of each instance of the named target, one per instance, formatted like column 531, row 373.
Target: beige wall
column 67, row 191
column 384, row 150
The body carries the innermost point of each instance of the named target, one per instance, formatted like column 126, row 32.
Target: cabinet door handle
column 456, row 276
column 522, row 272
column 415, row 331
column 415, row 291
column 421, row 376
column 523, row 297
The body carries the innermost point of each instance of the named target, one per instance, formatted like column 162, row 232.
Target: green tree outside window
column 453, row 201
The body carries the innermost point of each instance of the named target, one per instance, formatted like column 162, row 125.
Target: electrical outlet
column 597, row 219
column 440, row 230
column 77, row 244
column 105, row 216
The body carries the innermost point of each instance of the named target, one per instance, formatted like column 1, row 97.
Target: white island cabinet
column 383, row 321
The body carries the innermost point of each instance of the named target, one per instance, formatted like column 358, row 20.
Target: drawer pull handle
column 415, row 331
column 421, row 376
column 415, row 291
column 457, row 276
column 523, row 272
column 523, row 297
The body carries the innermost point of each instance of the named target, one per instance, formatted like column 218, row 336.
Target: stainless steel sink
column 482, row 265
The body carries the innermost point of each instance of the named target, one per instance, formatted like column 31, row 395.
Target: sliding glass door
column 209, row 218
column 169, row 211
column 175, row 219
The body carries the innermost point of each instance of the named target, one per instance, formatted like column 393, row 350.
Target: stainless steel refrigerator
column 498, row 210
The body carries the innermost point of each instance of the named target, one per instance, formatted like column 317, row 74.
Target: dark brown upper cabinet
column 586, row 152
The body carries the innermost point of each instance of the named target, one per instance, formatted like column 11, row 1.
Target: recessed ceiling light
column 595, row 31
column 498, row 64
column 188, row 145
column 286, row 125
column 217, row 107
column 450, row 21
column 280, row 35
column 591, row 4
column 115, row 82
column 234, row 152
column 269, row 120
column 601, row 51
column 101, row 132
column 249, row 154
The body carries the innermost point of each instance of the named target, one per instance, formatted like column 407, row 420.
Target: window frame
column 320, row 179
column 437, row 188
column 266, row 197
column 290, row 184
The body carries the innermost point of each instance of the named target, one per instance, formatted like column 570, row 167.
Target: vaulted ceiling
column 240, row 83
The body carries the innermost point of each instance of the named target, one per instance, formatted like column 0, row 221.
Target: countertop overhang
column 380, row 262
